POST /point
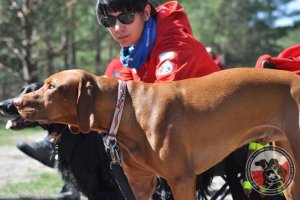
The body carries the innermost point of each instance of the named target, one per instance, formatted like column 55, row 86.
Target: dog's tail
column 204, row 181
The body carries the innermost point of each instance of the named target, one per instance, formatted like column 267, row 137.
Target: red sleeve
column 289, row 64
column 261, row 61
column 293, row 51
column 126, row 74
column 113, row 68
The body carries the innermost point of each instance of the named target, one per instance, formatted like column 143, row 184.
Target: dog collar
column 118, row 110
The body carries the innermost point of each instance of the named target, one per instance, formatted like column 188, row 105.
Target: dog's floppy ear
column 74, row 129
column 85, row 106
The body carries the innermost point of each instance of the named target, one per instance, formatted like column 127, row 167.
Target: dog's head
column 262, row 163
column 66, row 97
column 8, row 109
column 274, row 164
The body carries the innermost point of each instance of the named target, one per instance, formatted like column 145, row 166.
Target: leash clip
column 110, row 143
column 115, row 158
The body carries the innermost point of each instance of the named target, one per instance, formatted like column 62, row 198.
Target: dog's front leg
column 142, row 187
column 184, row 187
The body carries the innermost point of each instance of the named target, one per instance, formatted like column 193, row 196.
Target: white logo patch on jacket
column 166, row 68
column 166, row 65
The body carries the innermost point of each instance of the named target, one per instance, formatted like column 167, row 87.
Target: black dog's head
column 7, row 108
column 262, row 163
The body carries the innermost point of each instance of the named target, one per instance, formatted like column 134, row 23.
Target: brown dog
column 194, row 123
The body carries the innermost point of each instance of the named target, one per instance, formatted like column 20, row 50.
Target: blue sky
column 287, row 21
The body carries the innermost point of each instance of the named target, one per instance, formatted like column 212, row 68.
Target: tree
column 39, row 38
column 20, row 41
column 241, row 30
column 291, row 36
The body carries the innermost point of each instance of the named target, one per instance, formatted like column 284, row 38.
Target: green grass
column 10, row 137
column 38, row 186
column 8, row 132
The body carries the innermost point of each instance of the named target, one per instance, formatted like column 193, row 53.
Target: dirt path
column 16, row 167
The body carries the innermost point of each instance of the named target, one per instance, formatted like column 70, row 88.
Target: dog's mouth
column 19, row 123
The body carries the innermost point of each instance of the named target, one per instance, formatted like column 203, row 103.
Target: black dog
column 83, row 162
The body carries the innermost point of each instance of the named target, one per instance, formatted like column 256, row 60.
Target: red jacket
column 113, row 68
column 176, row 54
column 288, row 59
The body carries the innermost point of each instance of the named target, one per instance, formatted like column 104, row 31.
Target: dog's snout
column 8, row 108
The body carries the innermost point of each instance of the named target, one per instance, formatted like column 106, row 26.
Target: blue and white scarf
column 135, row 55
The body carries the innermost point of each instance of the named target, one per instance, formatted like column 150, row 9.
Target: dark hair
column 104, row 7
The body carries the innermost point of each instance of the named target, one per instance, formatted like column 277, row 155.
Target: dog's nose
column 8, row 108
column 17, row 102
column 1, row 105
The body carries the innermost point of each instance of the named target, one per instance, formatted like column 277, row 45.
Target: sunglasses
column 110, row 21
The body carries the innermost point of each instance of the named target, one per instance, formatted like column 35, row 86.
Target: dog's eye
column 51, row 86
